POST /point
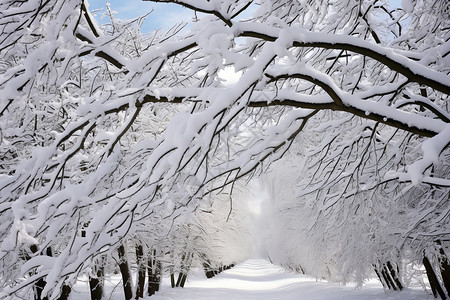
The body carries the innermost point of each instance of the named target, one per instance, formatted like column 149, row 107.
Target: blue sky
column 163, row 16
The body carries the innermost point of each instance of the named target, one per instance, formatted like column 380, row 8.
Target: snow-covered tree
column 340, row 216
column 75, row 99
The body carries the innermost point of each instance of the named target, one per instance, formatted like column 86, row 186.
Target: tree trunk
column 445, row 268
column 154, row 274
column 432, row 278
column 209, row 273
column 394, row 275
column 183, row 280
column 207, row 267
column 388, row 276
column 180, row 276
column 126, row 274
column 383, row 283
column 38, row 287
column 96, row 287
column 183, row 275
column 445, row 273
column 141, row 272
column 40, row 284
column 96, row 284
column 65, row 292
column 172, row 279
column 388, row 279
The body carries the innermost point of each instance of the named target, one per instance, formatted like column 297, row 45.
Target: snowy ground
column 258, row 279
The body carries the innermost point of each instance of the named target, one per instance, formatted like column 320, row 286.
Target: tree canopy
column 106, row 131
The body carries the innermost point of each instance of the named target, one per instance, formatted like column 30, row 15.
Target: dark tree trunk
column 183, row 275
column 445, row 273
column 154, row 274
column 65, row 292
column 40, row 284
column 126, row 274
column 158, row 274
column 390, row 284
column 141, row 272
column 172, row 280
column 96, row 287
column 394, row 275
column 207, row 267
column 445, row 268
column 230, row 266
column 383, row 283
column 388, row 276
column 432, row 278
column 96, row 284
column 209, row 274
column 183, row 280
column 38, row 287
column 180, row 275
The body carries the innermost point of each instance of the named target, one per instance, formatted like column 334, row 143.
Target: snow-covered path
column 259, row 279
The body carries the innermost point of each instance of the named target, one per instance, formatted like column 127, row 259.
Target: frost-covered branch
column 107, row 131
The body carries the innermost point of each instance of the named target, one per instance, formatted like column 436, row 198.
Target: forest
column 123, row 152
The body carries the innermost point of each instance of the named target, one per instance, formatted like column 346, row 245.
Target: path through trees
column 259, row 279
column 119, row 150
